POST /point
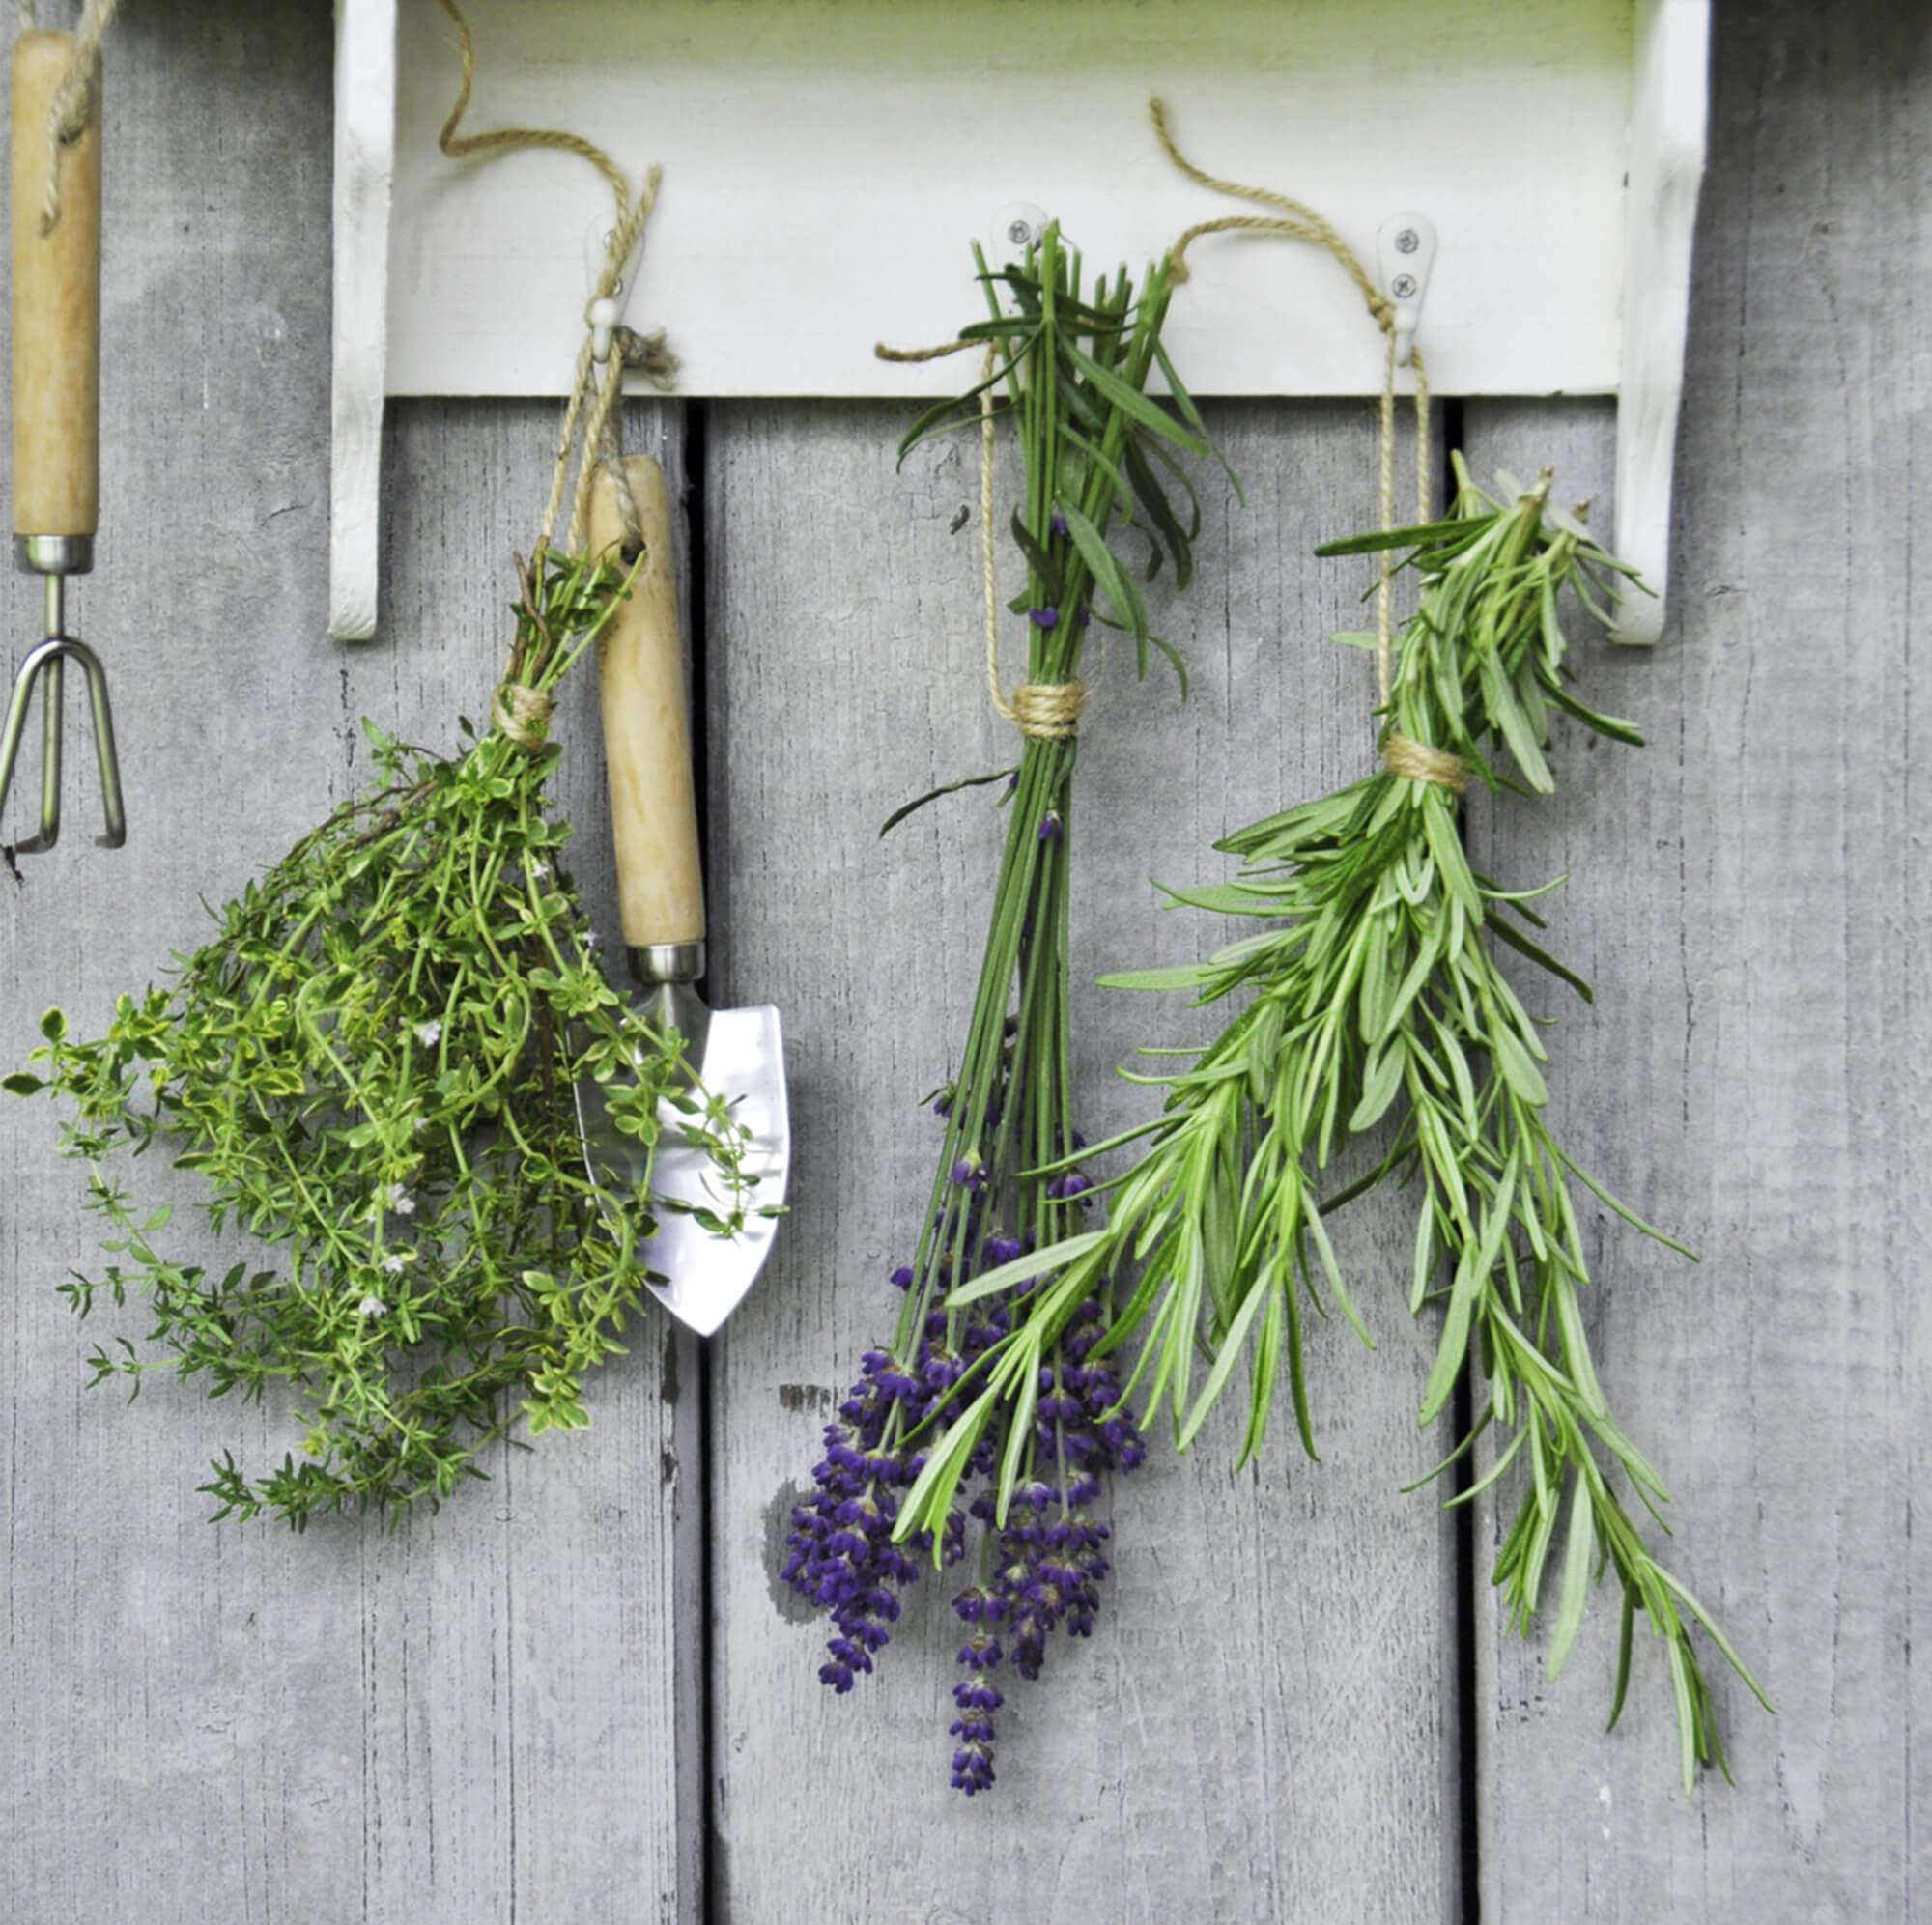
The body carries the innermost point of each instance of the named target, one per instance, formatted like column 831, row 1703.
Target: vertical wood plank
column 494, row 1712
column 1261, row 1724
column 1748, row 897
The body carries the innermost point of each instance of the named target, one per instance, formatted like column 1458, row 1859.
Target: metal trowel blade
column 697, row 1275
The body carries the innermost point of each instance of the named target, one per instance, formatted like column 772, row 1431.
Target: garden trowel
column 738, row 1054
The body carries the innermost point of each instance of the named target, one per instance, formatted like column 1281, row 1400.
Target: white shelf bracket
column 1669, row 114
column 1569, row 278
column 365, row 165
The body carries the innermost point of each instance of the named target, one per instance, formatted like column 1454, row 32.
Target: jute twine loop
column 1301, row 222
column 77, row 98
column 522, row 713
column 596, row 392
column 592, row 433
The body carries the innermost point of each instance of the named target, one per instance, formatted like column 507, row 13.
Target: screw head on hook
column 1019, row 225
column 1403, row 287
column 1408, row 241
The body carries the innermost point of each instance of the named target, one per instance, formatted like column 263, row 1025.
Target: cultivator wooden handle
column 56, row 217
column 646, row 724
column 56, row 303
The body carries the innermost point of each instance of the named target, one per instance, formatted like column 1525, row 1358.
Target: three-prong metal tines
column 54, row 557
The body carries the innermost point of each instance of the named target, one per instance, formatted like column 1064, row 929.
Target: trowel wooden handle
column 56, row 303
column 647, row 726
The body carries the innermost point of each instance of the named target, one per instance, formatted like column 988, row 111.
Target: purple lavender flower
column 1047, row 1558
column 1043, row 617
column 1050, row 826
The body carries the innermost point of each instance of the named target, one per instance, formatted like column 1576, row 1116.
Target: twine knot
column 76, row 101
column 1047, row 711
column 1404, row 755
column 523, row 713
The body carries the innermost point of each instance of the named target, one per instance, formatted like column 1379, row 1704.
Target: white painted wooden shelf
column 827, row 162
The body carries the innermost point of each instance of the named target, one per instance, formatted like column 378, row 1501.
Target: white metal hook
column 601, row 312
column 1406, row 253
column 601, row 317
column 1016, row 227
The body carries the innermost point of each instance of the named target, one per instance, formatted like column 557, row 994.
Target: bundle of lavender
column 1031, row 1418
column 1378, row 1001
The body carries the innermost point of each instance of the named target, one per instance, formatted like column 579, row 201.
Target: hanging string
column 76, row 99
column 597, row 384
column 592, row 419
column 1041, row 711
column 1301, row 222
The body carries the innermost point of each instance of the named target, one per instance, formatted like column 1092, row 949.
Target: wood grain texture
column 56, row 302
column 646, row 716
column 498, row 1711
column 1259, row 1725
column 493, row 1712
column 1750, row 898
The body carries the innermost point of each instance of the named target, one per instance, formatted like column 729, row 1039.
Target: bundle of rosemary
column 1031, row 1418
column 1377, row 1001
column 371, row 1063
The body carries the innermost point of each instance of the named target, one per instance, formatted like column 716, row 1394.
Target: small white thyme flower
column 371, row 1307
column 592, row 939
column 393, row 1263
column 429, row 1034
column 400, row 1200
column 539, row 871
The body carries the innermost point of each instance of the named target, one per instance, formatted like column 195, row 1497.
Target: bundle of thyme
column 1031, row 1418
column 371, row 1063
column 1377, row 1001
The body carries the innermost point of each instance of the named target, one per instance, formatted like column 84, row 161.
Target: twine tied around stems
column 593, row 419
column 522, row 713
column 1041, row 711
column 1402, row 754
column 76, row 99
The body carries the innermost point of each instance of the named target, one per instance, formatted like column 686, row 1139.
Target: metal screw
column 1019, row 234
column 1402, row 286
column 1408, row 241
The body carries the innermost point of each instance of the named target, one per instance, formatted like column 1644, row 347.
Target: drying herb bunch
column 1034, row 1418
column 371, row 1063
column 1376, row 1002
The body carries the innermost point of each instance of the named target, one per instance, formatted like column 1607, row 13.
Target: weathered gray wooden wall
column 578, row 1694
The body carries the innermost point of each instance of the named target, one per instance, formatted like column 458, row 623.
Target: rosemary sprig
column 371, row 1063
column 1378, row 1001
column 1032, row 1423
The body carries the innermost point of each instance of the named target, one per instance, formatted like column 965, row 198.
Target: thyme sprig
column 371, row 1065
column 1378, row 1001
column 1032, row 1429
